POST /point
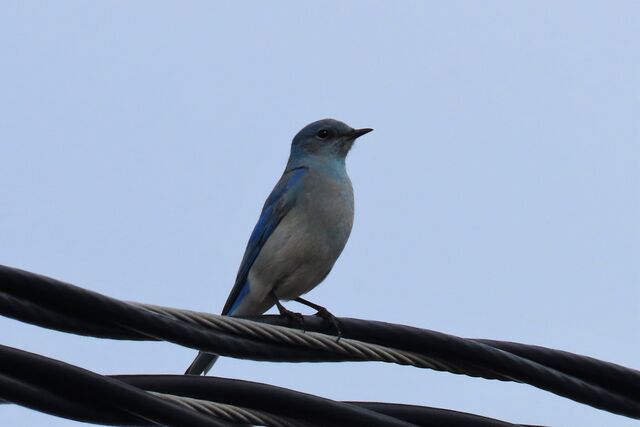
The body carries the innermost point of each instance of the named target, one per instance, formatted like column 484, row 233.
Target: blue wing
column 275, row 208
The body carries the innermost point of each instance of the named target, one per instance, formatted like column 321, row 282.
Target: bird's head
column 326, row 138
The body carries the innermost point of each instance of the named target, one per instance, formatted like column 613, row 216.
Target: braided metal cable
column 47, row 302
column 353, row 348
column 233, row 413
column 284, row 403
column 24, row 375
column 64, row 390
column 297, row 405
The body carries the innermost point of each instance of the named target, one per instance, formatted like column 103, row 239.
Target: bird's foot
column 324, row 314
column 292, row 316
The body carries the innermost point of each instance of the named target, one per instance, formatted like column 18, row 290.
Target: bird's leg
column 323, row 313
column 291, row 315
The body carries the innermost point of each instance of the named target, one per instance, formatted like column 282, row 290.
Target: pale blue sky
column 498, row 196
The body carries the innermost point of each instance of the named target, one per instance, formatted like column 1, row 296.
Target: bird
column 303, row 227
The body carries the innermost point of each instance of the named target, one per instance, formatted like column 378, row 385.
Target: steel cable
column 277, row 400
column 68, row 391
column 233, row 400
column 85, row 387
column 613, row 388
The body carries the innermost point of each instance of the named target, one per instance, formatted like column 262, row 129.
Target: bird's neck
column 332, row 164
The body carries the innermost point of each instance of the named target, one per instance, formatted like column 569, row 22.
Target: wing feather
column 275, row 208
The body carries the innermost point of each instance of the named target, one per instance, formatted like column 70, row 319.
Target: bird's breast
column 327, row 208
column 309, row 239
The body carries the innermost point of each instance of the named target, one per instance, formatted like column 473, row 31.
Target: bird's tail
column 201, row 364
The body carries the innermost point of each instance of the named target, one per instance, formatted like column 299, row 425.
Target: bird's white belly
column 302, row 249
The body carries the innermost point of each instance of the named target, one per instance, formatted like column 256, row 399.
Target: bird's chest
column 326, row 212
column 308, row 240
column 317, row 231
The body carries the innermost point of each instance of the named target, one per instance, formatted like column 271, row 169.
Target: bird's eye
column 323, row 134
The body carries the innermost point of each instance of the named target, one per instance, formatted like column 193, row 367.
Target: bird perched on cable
column 303, row 227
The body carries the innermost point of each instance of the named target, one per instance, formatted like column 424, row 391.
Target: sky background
column 499, row 196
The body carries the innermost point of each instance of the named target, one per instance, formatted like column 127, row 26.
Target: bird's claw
column 324, row 314
column 293, row 317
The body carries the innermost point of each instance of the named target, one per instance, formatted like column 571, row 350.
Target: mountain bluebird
column 303, row 227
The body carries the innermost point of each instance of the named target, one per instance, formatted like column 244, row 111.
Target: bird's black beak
column 357, row 133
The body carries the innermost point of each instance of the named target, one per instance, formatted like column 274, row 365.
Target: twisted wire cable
column 124, row 321
column 346, row 346
column 534, row 372
column 230, row 399
column 64, row 390
column 22, row 373
column 613, row 388
column 234, row 413
column 23, row 393
column 278, row 400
